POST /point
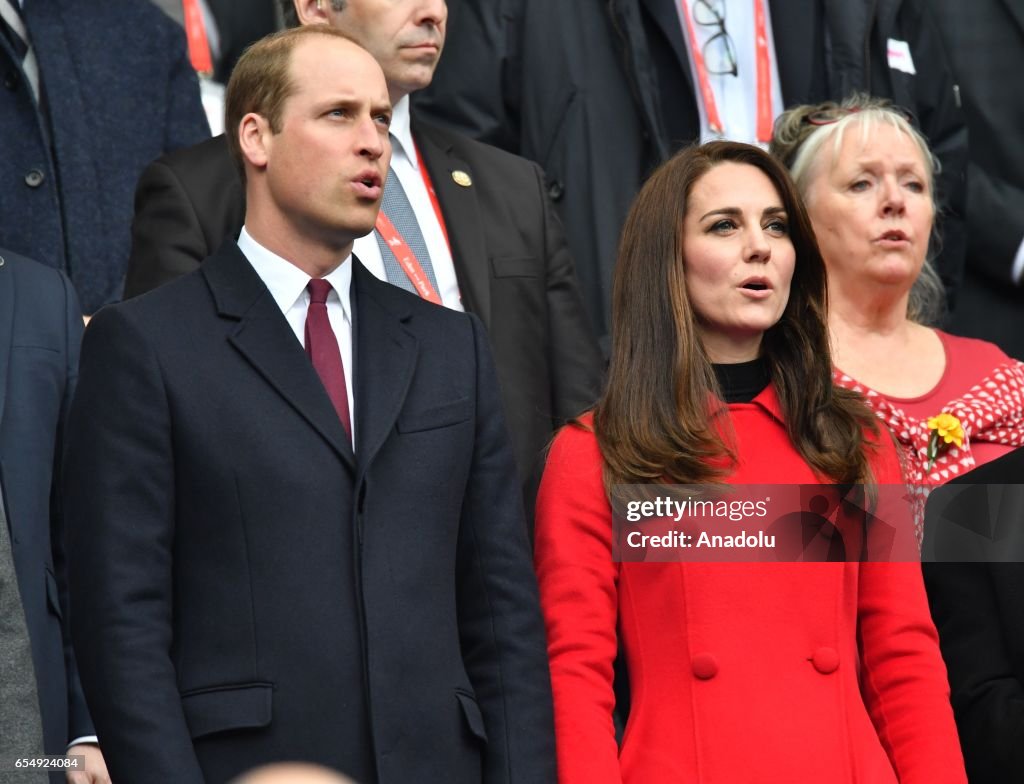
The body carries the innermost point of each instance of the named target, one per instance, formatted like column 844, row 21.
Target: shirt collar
column 767, row 399
column 287, row 283
column 401, row 133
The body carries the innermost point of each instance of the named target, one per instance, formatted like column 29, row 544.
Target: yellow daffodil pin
column 946, row 430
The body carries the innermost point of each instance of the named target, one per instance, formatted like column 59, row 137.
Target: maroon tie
column 322, row 347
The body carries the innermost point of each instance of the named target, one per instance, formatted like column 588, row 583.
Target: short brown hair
column 261, row 82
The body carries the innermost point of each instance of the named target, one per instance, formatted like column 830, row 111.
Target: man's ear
column 254, row 139
column 312, row 11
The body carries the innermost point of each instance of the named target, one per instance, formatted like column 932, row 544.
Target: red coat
column 807, row 673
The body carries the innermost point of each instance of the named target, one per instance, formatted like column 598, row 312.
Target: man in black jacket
column 973, row 526
column 599, row 93
column 234, row 26
column 114, row 90
column 985, row 39
column 509, row 263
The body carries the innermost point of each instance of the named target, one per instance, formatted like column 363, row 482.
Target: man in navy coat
column 115, row 90
column 288, row 554
column 507, row 250
column 40, row 332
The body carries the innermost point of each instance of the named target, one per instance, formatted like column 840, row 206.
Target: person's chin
column 418, row 76
column 896, row 271
column 357, row 221
column 360, row 229
column 761, row 323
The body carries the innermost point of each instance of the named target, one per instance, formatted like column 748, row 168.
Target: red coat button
column 705, row 666
column 825, row 660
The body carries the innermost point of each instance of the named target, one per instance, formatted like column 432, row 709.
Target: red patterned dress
column 981, row 386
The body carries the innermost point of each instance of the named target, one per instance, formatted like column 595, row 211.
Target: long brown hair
column 652, row 422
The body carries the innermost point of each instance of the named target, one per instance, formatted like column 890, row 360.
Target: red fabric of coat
column 803, row 673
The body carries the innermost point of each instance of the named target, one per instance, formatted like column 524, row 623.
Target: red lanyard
column 198, row 44
column 764, row 75
column 433, row 196
column 406, row 258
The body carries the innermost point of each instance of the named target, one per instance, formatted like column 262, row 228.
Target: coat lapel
column 384, row 356
column 847, row 28
column 664, row 14
column 73, row 143
column 1016, row 10
column 6, row 327
column 802, row 76
column 462, row 219
column 264, row 338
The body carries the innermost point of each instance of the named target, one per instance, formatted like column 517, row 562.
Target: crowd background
column 597, row 94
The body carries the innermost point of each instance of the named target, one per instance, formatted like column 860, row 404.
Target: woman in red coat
column 770, row 673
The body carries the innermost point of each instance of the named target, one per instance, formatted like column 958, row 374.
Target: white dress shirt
column 406, row 165
column 287, row 285
column 30, row 65
column 735, row 96
column 210, row 92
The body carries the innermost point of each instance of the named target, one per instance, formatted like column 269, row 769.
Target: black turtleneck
column 742, row 382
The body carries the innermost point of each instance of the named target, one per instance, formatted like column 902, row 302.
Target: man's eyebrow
column 346, row 101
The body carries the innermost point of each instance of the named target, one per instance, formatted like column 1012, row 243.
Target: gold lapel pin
column 461, row 178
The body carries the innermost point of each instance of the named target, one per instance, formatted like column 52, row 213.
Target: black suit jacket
column 118, row 91
column 985, row 40
column 222, row 525
column 238, row 25
column 513, row 267
column 977, row 606
column 40, row 332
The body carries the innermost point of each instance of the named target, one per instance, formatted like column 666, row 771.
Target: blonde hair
column 800, row 135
